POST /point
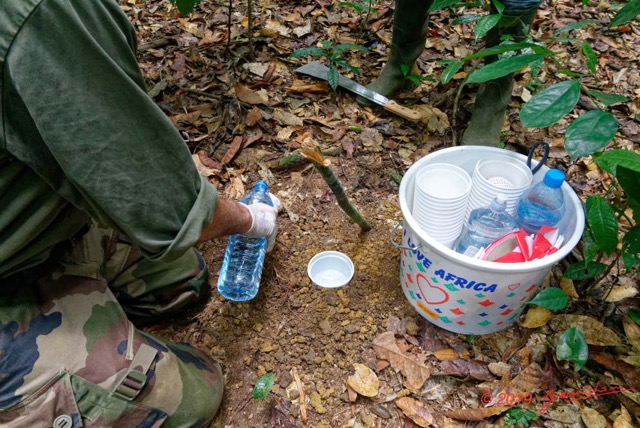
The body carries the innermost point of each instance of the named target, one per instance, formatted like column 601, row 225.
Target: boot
column 493, row 96
column 410, row 19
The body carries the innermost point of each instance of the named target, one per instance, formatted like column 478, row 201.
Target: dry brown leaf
column 566, row 284
column 364, row 381
column 202, row 168
column 411, row 364
column 536, row 316
column 630, row 374
column 500, row 369
column 446, row 354
column 631, row 328
column 253, row 117
column 475, row 414
column 621, row 292
column 235, row 146
column 624, row 420
column 467, row 368
column 435, row 119
column 304, row 87
column 249, row 96
column 418, row 412
column 592, row 418
column 594, row 332
column 528, row 380
column 286, row 118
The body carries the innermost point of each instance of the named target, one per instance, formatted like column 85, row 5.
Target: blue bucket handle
column 545, row 156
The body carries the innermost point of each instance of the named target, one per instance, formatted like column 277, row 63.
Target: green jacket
column 80, row 138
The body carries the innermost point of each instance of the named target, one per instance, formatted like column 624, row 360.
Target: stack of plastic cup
column 440, row 201
column 508, row 176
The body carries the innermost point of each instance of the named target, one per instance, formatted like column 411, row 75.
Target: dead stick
column 303, row 407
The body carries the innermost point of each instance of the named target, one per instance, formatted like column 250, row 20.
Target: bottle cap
column 261, row 186
column 554, row 178
column 499, row 203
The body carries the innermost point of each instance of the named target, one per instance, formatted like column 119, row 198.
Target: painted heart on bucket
column 430, row 299
column 513, row 286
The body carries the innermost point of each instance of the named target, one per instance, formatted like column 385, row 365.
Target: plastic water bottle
column 542, row 204
column 485, row 225
column 241, row 269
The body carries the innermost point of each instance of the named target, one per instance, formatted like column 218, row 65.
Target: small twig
column 303, row 407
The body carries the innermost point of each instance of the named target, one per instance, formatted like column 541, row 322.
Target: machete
column 320, row 71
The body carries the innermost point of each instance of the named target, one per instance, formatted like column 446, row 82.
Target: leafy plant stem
column 456, row 100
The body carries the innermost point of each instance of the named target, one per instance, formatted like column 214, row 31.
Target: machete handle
column 402, row 111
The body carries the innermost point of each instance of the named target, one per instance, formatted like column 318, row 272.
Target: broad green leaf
column 519, row 417
column 465, row 19
column 485, row 24
column 342, row 47
column 508, row 47
column 451, row 69
column 629, row 181
column 631, row 247
column 570, row 73
column 186, row 6
column 550, row 105
column 589, row 246
column 590, row 56
column 582, row 270
column 441, row 4
column 609, row 161
column 603, row 223
column 572, row 346
column 589, row 133
column 634, row 315
column 333, row 77
column 263, row 386
column 626, row 14
column 502, row 67
column 299, row 53
column 574, row 26
column 499, row 6
column 551, row 298
column 607, row 99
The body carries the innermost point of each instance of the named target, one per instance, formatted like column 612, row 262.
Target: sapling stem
column 310, row 151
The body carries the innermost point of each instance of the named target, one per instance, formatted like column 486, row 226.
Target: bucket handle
column 545, row 156
column 400, row 247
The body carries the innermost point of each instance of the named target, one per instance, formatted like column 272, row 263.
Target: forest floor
column 241, row 107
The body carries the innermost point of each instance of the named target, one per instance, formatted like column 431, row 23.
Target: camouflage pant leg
column 66, row 345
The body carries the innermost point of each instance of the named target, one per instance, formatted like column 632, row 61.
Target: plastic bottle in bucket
column 542, row 204
column 486, row 224
column 243, row 260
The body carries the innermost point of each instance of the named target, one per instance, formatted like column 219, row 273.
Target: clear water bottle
column 485, row 225
column 241, row 269
column 543, row 204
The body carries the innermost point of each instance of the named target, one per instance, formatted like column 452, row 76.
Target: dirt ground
column 308, row 337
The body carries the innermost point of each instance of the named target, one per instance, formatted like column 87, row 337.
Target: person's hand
column 264, row 221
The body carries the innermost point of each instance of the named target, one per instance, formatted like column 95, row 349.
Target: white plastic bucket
column 462, row 294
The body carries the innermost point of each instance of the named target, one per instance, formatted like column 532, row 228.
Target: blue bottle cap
column 261, row 186
column 554, row 178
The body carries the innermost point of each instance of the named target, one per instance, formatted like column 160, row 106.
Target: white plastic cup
column 330, row 269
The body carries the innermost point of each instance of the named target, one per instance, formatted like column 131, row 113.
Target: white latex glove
column 264, row 221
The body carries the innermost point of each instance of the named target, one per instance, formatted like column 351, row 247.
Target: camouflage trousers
column 70, row 356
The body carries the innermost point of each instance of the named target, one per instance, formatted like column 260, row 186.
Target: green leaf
column 502, row 67
column 589, row 133
column 589, row 246
column 634, row 315
column 590, row 55
column 574, row 26
column 610, row 160
column 485, row 24
column 603, row 223
column 626, row 14
column 607, row 99
column 508, row 47
column 631, row 247
column 299, row 53
column 550, row 105
column 450, row 70
column 465, row 19
column 263, row 386
column 551, row 298
column 519, row 417
column 499, row 6
column 333, row 77
column 580, row 271
column 629, row 181
column 186, row 6
column 572, row 346
column 441, row 4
